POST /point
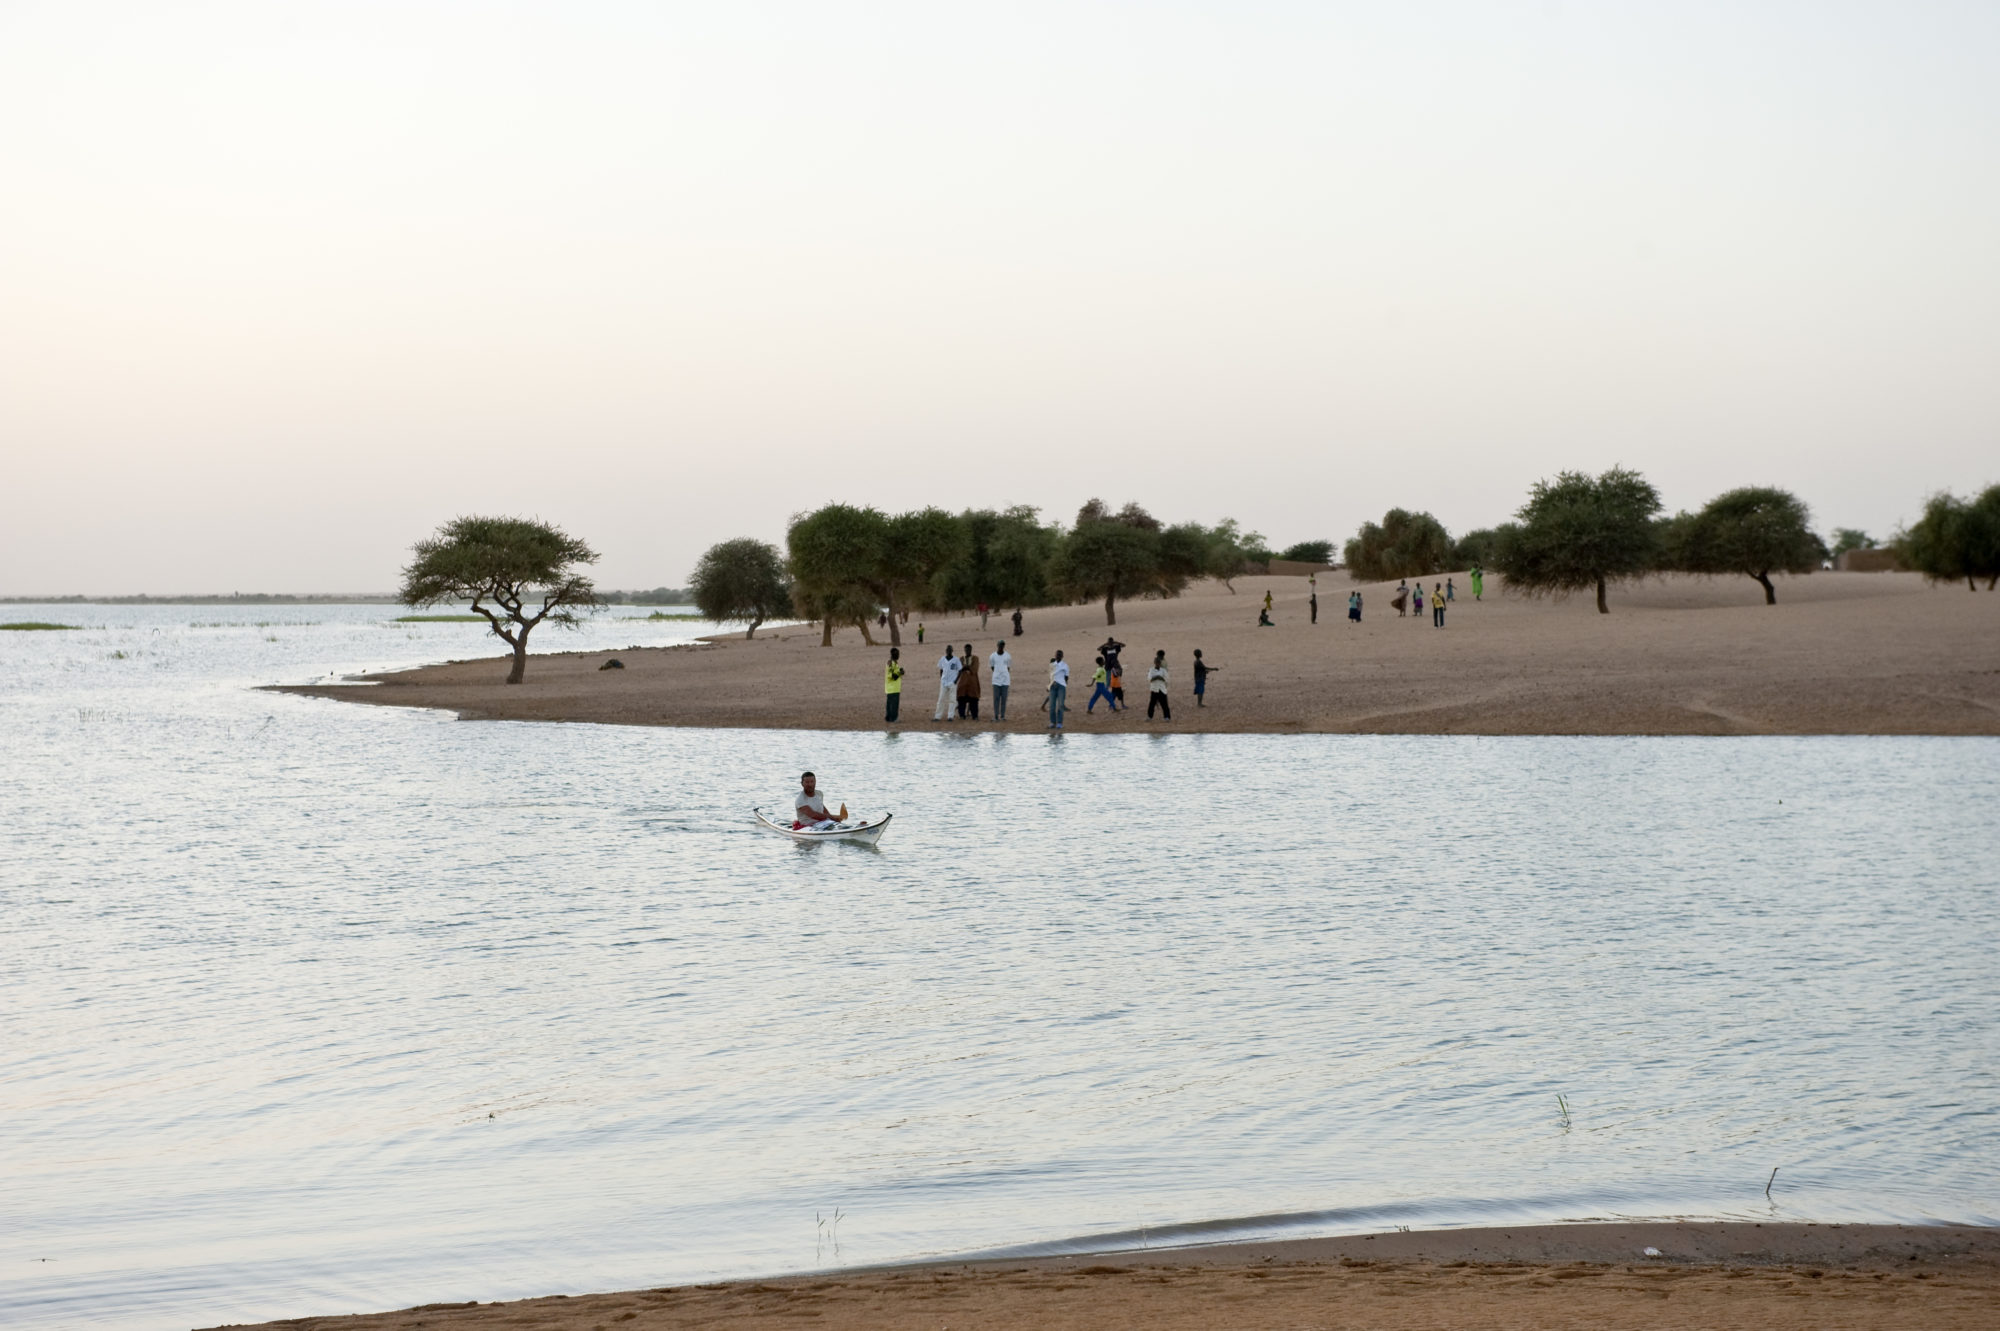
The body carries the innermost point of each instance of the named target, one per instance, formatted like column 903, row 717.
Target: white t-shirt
column 810, row 808
column 1157, row 679
column 948, row 668
column 1059, row 673
column 1001, row 663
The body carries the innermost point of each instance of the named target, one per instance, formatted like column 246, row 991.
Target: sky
column 283, row 287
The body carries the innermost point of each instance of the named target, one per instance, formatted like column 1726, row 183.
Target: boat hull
column 862, row 834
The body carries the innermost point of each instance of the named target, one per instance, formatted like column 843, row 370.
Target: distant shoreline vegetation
column 236, row 598
column 37, row 626
column 440, row 619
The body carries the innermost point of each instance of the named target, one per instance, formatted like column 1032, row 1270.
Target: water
column 309, row 1008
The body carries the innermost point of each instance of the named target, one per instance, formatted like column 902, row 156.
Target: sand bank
column 1841, row 653
column 1772, row 1276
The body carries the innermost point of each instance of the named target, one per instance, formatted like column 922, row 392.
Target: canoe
column 866, row 833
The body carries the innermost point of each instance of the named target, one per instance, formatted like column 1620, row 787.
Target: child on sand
column 1437, row 606
column 1417, row 600
column 1478, row 576
column 1202, row 670
column 1354, row 607
column 1402, row 597
column 1058, row 690
column 1100, row 682
column 1450, row 590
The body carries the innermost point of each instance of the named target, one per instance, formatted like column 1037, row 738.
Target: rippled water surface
column 307, row 1007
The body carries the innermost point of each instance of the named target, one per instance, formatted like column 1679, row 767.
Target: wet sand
column 1770, row 1276
column 1841, row 653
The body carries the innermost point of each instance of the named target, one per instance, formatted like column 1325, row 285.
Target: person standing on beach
column 1058, row 689
column 892, row 685
column 1437, row 606
column 948, row 668
column 1402, row 597
column 1100, row 687
column 982, row 617
column 1450, row 590
column 968, row 685
column 1417, row 600
column 1267, row 600
column 1202, row 670
column 1312, row 602
column 1354, row 607
column 1156, row 686
column 920, row 635
column 1478, row 576
column 1001, row 664
column 1017, row 621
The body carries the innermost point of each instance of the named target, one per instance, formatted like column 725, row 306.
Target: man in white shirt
column 809, row 807
column 1058, row 690
column 948, row 668
column 1001, row 664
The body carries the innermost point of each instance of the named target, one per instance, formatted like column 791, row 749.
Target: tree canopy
column 517, row 572
column 1308, row 552
column 1402, row 545
column 1581, row 531
column 1476, row 548
column 1127, row 553
column 743, row 579
column 839, row 551
column 1955, row 538
column 1850, row 538
column 1006, row 561
column 1756, row 530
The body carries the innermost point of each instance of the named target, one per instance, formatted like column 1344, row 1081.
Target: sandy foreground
column 1841, row 653
column 1771, row 1276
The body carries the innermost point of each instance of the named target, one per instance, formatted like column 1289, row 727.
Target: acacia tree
column 836, row 609
column 1956, row 538
column 501, row 566
column 840, row 550
column 743, row 579
column 1581, row 531
column 1756, row 530
column 1404, row 545
column 1232, row 552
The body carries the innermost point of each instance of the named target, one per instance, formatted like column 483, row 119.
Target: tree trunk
column 1602, row 608
column 826, row 633
column 1990, row 581
column 1970, row 585
column 1111, row 606
column 867, row 637
column 896, row 621
column 519, row 670
column 751, row 632
column 1770, row 592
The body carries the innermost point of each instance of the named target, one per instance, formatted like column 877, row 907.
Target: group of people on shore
column 959, row 692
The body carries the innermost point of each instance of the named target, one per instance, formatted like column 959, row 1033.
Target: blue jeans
column 1000, row 702
column 1058, row 694
column 1101, row 691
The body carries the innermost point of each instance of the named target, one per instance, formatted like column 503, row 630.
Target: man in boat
column 809, row 808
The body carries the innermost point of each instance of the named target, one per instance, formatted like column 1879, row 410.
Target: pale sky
column 283, row 286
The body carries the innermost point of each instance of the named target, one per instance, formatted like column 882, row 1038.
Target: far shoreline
column 1840, row 654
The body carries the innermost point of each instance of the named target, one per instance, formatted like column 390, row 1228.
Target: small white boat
column 865, row 832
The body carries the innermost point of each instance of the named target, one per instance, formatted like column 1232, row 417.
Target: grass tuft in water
column 440, row 619
column 36, row 626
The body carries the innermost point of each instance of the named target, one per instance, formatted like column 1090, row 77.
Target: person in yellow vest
column 892, row 685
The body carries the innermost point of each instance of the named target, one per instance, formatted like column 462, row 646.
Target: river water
column 310, row 1008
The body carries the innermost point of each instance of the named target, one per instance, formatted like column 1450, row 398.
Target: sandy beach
column 1773, row 1276
column 1841, row 653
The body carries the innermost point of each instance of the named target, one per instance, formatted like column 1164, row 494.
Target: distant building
column 1869, row 561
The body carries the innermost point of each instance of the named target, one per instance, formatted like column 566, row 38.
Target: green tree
column 1581, row 531
column 1403, row 545
column 1126, row 554
column 841, row 549
column 1309, row 552
column 1005, row 563
column 1756, row 530
column 743, row 579
column 1476, row 548
column 839, row 607
column 515, row 571
column 1232, row 552
column 1850, row 538
column 1955, row 538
